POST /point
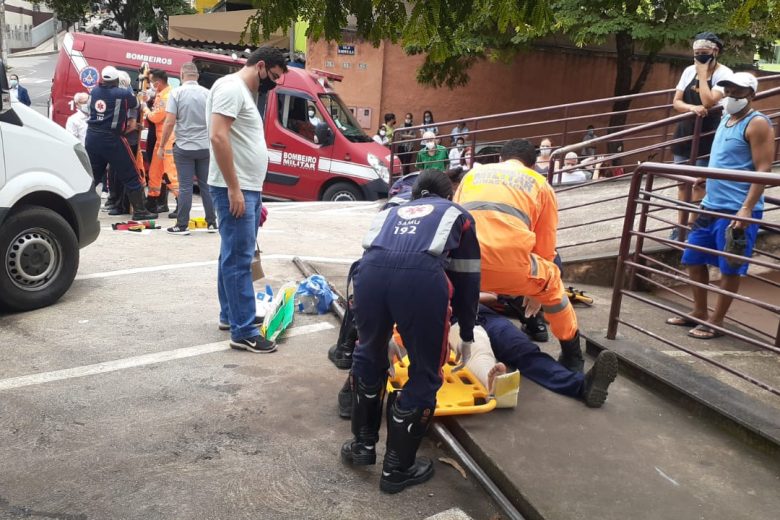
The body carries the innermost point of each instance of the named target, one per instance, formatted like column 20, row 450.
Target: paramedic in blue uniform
column 105, row 142
column 420, row 258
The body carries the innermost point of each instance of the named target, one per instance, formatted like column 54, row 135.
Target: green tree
column 131, row 16
column 454, row 34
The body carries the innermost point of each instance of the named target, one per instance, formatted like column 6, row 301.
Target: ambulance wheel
column 40, row 257
column 342, row 192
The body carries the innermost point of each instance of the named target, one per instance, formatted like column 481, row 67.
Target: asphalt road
column 124, row 401
column 35, row 74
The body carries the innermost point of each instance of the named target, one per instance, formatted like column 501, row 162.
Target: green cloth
column 437, row 161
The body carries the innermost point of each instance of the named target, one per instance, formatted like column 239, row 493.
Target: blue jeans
column 234, row 278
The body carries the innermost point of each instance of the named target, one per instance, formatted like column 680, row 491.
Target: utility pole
column 54, row 28
column 4, row 55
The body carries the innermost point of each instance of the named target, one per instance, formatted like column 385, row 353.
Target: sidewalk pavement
column 46, row 47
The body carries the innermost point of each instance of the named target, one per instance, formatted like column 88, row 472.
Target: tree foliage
column 454, row 34
column 132, row 16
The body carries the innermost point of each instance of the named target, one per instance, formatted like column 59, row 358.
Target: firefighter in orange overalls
column 516, row 213
column 161, row 166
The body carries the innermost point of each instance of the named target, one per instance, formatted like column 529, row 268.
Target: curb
column 24, row 54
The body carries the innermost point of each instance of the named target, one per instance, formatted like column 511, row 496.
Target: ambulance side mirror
column 324, row 134
column 5, row 90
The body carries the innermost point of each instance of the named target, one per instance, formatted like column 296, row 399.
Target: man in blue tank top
column 744, row 140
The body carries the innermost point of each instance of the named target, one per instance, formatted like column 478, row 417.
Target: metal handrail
column 631, row 265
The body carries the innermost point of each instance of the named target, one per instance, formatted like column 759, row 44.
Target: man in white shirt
column 186, row 112
column 237, row 169
column 77, row 121
column 571, row 176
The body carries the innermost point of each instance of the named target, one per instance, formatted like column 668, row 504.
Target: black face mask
column 704, row 58
column 267, row 84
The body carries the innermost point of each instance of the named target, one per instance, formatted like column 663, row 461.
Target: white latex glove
column 394, row 353
column 532, row 306
column 462, row 354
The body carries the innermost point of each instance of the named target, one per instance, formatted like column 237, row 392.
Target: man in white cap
column 744, row 140
column 77, row 121
column 106, row 144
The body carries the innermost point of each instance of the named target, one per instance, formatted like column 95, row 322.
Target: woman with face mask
column 406, row 149
column 697, row 93
column 428, row 122
column 543, row 162
column 381, row 137
column 312, row 114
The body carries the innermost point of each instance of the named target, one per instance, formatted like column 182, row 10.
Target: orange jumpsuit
column 516, row 213
column 158, row 166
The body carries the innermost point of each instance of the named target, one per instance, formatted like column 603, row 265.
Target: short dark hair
column 159, row 74
column 389, row 117
column 271, row 56
column 520, row 149
column 433, row 182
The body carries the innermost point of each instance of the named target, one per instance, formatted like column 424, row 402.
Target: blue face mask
column 14, row 83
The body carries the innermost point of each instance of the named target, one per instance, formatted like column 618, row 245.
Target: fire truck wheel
column 342, row 192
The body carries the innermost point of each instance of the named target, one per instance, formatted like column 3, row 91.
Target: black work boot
column 150, row 204
column 175, row 213
column 162, row 200
column 405, row 431
column 366, row 419
column 571, row 354
column 535, row 327
column 599, row 377
column 139, row 209
column 341, row 353
column 345, row 400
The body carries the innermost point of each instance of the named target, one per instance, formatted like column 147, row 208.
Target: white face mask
column 311, row 113
column 734, row 106
column 382, row 133
column 460, row 146
column 544, row 150
column 430, row 145
column 84, row 108
column 14, row 83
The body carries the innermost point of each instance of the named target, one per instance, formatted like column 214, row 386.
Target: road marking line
column 720, row 353
column 169, row 267
column 307, row 329
column 150, row 269
column 146, row 359
column 667, row 477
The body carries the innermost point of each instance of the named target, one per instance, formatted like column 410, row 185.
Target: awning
column 225, row 27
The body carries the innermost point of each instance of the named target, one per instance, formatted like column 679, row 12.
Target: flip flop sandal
column 680, row 321
column 704, row 332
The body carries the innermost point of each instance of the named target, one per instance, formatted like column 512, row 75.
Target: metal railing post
column 640, row 240
column 564, row 140
column 625, row 245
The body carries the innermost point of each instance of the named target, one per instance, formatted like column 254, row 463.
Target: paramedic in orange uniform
column 159, row 166
column 517, row 220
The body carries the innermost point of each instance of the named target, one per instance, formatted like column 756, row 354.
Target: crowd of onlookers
column 423, row 146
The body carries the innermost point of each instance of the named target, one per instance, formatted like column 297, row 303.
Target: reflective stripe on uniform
column 534, row 266
column 477, row 205
column 443, row 231
column 552, row 309
column 117, row 110
column 375, row 229
column 462, row 265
